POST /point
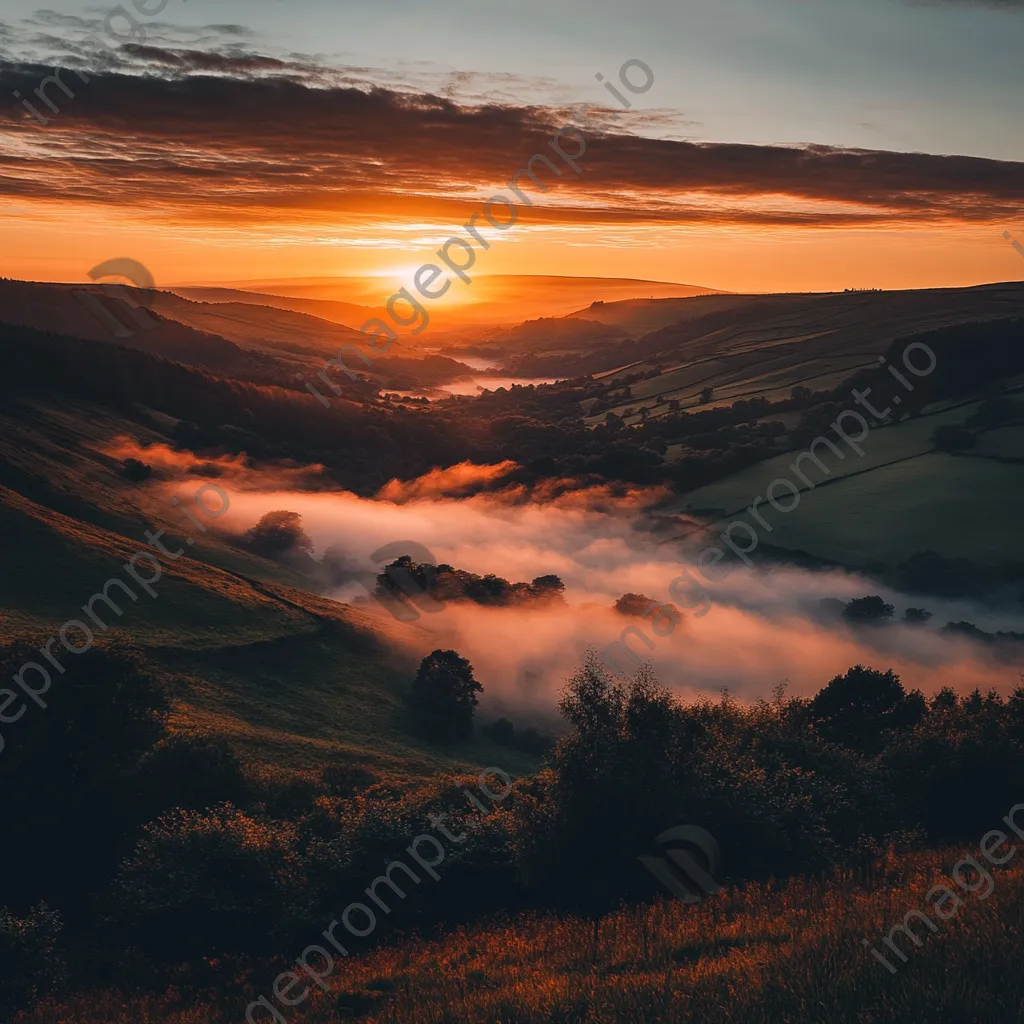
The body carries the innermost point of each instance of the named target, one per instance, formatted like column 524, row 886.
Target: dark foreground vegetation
column 154, row 862
column 754, row 954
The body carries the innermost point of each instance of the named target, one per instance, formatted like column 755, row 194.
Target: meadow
column 770, row 953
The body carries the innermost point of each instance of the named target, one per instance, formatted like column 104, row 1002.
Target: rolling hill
column 293, row 680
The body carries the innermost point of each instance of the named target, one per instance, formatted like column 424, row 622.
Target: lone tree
column 278, row 533
column 868, row 611
column 444, row 696
column 636, row 605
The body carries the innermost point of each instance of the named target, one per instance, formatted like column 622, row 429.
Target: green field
column 952, row 504
column 883, row 445
column 765, row 345
column 901, row 496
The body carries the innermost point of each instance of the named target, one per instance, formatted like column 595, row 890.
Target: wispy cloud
column 212, row 135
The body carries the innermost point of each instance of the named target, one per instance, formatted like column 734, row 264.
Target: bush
column 638, row 762
column 28, row 953
column 376, row 828
column 70, row 770
column 190, row 771
column 209, row 883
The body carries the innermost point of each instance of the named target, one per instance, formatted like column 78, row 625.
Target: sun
column 402, row 275
column 402, row 272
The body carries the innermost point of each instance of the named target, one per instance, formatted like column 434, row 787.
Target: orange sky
column 207, row 181
column 62, row 244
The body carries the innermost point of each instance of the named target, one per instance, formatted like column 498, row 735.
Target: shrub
column 76, row 758
column 190, row 771
column 638, row 762
column 209, row 883
column 28, row 953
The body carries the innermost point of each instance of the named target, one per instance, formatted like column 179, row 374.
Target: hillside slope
column 291, row 678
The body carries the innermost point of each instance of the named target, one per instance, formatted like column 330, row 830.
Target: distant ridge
column 489, row 299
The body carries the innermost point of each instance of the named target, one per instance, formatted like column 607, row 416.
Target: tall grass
column 757, row 954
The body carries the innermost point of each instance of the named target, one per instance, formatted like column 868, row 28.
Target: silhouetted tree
column 633, row 604
column 916, row 616
column 444, row 696
column 277, row 533
column 548, row 588
column 857, row 708
column 136, row 471
column 868, row 610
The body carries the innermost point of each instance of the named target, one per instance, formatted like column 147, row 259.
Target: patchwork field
column 764, row 346
column 900, row 496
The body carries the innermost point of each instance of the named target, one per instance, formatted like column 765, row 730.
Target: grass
column 958, row 506
column 789, row 954
column 292, row 679
column 748, row 346
column 901, row 496
column 882, row 445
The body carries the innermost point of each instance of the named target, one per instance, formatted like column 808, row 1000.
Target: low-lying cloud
column 764, row 624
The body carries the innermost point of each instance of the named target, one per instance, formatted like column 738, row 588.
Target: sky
column 782, row 144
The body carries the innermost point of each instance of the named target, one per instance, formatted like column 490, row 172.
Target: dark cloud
column 224, row 136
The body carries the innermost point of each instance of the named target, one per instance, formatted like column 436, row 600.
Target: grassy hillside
column 764, row 346
column 901, row 496
column 58, row 308
column 261, row 327
column 754, row 955
column 292, row 679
